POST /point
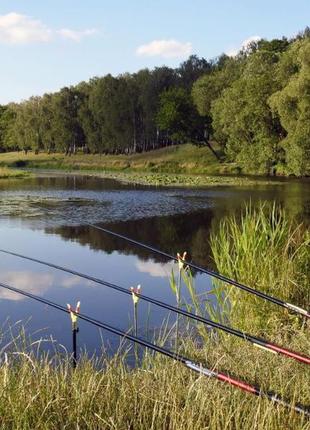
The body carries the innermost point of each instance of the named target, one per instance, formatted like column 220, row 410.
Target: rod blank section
column 253, row 339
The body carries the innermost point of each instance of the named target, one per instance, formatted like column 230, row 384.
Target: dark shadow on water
column 171, row 234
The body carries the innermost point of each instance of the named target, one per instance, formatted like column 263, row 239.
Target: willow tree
column 292, row 104
column 242, row 119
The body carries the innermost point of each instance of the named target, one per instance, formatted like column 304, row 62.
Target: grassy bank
column 6, row 173
column 176, row 159
column 263, row 248
column 158, row 395
column 184, row 165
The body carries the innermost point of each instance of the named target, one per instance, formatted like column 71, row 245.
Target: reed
column 44, row 392
column 7, row 173
column 267, row 250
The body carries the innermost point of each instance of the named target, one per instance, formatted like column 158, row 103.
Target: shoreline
column 186, row 166
column 161, row 179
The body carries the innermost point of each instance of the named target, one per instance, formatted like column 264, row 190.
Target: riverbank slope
column 184, row 165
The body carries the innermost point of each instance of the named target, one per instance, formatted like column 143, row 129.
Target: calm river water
column 45, row 217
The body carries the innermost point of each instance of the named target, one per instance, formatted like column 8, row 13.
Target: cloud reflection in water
column 32, row 282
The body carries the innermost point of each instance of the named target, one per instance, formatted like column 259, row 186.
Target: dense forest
column 255, row 105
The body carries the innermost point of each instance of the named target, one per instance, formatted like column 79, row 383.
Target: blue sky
column 45, row 45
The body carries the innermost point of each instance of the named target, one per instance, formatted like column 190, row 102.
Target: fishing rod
column 275, row 300
column 196, row 367
column 259, row 342
column 209, row 272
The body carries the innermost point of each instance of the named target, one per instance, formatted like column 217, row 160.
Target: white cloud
column 165, row 48
column 234, row 51
column 76, row 36
column 18, row 29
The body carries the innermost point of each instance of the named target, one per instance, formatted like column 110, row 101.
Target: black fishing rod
column 197, row 367
column 259, row 342
column 209, row 272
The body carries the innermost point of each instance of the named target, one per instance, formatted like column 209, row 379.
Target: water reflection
column 171, row 234
column 97, row 300
column 35, row 283
column 161, row 270
column 45, row 218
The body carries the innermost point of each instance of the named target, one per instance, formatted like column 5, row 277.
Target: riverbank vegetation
column 255, row 106
column 270, row 251
column 6, row 173
column 182, row 165
column 45, row 394
column 264, row 248
column 183, row 159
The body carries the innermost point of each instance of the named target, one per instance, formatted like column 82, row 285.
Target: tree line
column 255, row 105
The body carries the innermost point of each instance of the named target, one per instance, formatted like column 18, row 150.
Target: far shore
column 163, row 179
column 180, row 166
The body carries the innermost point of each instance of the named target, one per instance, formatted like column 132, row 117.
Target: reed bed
column 6, row 172
column 269, row 251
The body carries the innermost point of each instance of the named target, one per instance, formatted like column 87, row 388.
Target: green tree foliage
column 275, row 45
column 292, row 104
column 255, row 105
column 18, row 134
column 119, row 113
column 7, row 118
column 89, row 117
column 67, row 131
column 178, row 116
column 210, row 86
column 242, row 118
column 48, row 124
column 192, row 69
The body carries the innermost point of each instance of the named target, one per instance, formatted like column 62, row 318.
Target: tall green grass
column 269, row 251
column 45, row 393
column 6, row 173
